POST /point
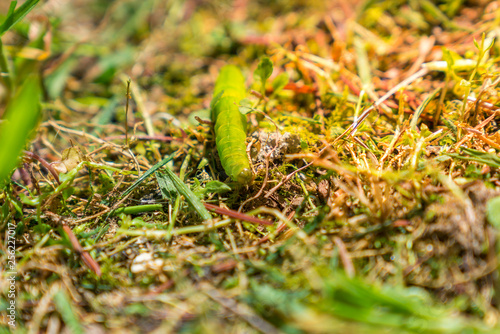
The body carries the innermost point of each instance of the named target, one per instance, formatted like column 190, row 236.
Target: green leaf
column 279, row 82
column 246, row 106
column 476, row 44
column 167, row 188
column 25, row 199
column 449, row 58
column 42, row 228
column 68, row 192
column 488, row 44
column 106, row 183
column 190, row 197
column 15, row 16
column 493, row 211
column 217, row 187
column 264, row 71
column 21, row 118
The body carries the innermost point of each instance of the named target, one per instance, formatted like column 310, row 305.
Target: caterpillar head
column 244, row 176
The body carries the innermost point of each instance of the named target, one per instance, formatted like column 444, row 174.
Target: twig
column 89, row 136
column 44, row 163
column 477, row 127
column 236, row 215
column 85, row 256
column 344, row 257
column 136, row 93
column 278, row 230
column 146, row 137
column 127, row 97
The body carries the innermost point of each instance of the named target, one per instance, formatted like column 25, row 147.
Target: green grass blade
column 21, row 117
column 482, row 157
column 184, row 190
column 15, row 16
column 6, row 73
column 147, row 174
column 136, row 209
column 12, row 8
column 421, row 108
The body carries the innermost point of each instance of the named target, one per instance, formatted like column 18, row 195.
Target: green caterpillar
column 230, row 125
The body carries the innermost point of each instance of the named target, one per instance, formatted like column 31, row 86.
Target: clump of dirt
column 274, row 146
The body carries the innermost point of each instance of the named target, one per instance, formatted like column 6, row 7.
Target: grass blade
column 421, row 108
column 184, row 190
column 21, row 117
column 16, row 15
column 147, row 174
column 478, row 156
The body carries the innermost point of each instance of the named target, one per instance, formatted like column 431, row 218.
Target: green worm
column 230, row 125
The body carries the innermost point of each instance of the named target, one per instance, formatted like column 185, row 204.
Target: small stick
column 127, row 96
column 84, row 255
column 44, row 163
column 236, row 215
column 278, row 230
column 345, row 257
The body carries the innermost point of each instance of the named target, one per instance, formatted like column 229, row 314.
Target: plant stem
column 4, row 67
column 126, row 113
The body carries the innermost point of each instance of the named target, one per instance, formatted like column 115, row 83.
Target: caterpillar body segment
column 230, row 124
